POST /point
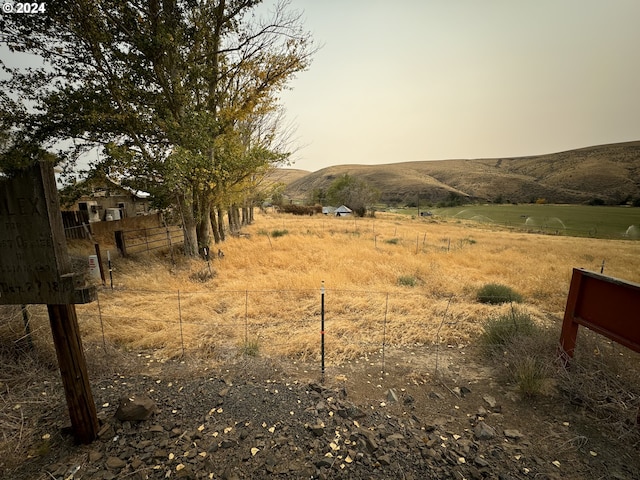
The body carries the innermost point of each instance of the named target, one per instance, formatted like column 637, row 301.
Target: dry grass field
column 397, row 289
column 389, row 280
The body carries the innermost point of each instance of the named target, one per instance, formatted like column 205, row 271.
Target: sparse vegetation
column 521, row 350
column 407, row 281
column 392, row 241
column 496, row 293
column 501, row 329
column 279, row 233
column 251, row 347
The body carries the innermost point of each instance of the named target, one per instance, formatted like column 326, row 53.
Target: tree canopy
column 353, row 192
column 181, row 96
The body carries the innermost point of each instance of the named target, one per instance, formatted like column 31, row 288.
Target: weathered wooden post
column 35, row 268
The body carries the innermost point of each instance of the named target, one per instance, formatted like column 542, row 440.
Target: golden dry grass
column 267, row 290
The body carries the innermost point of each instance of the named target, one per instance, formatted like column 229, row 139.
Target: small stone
column 384, row 460
column 160, row 453
column 95, row 456
column 491, row 401
column 115, row 463
column 392, row 396
column 324, row 462
column 515, row 434
column 482, row 431
column 317, row 430
column 135, row 408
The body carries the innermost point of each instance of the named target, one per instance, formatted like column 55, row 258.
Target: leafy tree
column 353, row 192
column 178, row 94
column 317, row 196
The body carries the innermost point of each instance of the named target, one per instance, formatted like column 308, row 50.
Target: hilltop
column 610, row 173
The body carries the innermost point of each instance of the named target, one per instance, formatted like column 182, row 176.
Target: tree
column 176, row 93
column 317, row 196
column 353, row 192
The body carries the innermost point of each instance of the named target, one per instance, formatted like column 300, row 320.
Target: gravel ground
column 259, row 418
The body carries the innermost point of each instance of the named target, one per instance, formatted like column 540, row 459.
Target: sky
column 413, row 80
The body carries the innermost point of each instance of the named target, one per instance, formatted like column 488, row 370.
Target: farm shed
column 328, row 210
column 343, row 211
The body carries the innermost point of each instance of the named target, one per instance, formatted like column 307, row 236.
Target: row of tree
column 180, row 96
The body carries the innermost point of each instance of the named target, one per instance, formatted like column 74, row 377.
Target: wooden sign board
column 35, row 268
column 34, row 264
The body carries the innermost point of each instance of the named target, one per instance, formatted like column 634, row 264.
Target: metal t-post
column 322, row 328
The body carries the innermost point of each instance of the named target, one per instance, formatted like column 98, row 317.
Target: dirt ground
column 417, row 412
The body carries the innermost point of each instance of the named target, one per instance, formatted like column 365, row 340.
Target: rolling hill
column 607, row 172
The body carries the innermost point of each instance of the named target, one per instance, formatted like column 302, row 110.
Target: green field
column 575, row 220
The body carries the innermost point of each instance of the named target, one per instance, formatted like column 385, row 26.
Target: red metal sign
column 606, row 305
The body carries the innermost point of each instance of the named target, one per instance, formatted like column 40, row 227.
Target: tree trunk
column 234, row 218
column 214, row 225
column 245, row 216
column 204, row 225
column 221, row 224
column 189, row 225
column 251, row 214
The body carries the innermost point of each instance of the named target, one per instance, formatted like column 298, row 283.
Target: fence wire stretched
column 272, row 323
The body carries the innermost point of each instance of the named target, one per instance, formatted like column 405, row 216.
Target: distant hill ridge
column 610, row 173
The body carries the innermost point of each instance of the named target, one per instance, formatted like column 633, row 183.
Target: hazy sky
column 428, row 80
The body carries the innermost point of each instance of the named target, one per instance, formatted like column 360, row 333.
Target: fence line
column 286, row 324
column 145, row 240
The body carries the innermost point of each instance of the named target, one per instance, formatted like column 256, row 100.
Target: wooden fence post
column 73, row 370
column 120, row 242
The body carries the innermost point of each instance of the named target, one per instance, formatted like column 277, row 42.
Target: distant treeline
column 300, row 209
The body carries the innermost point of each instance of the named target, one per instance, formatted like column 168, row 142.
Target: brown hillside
column 285, row 175
column 609, row 172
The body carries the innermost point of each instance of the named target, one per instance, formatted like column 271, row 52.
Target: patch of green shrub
column 251, row 348
column 529, row 373
column 495, row 293
column 392, row 241
column 523, row 351
column 279, row 233
column 502, row 329
column 407, row 281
